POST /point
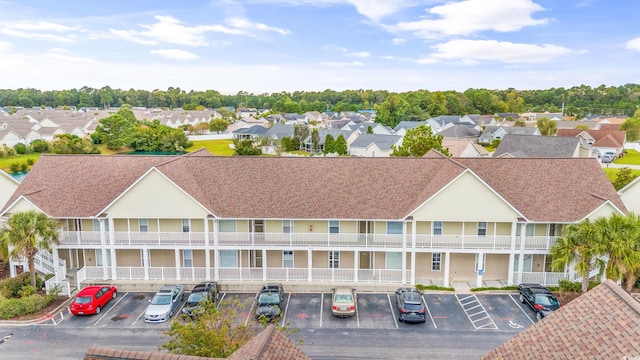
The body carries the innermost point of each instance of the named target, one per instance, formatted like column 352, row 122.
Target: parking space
column 449, row 311
column 507, row 312
column 446, row 312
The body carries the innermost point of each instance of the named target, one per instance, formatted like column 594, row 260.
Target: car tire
column 400, row 319
column 98, row 310
column 115, row 295
column 538, row 316
column 521, row 298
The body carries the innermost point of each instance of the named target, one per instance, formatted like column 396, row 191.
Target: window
column 258, row 226
column 436, row 261
column 287, row 259
column 96, row 225
column 99, row 257
column 529, row 230
column 527, row 264
column 437, row 228
column 186, row 225
column 394, row 228
column 226, row 225
column 143, row 225
column 394, row 260
column 287, row 226
column 187, row 258
column 334, row 259
column 228, row 259
column 555, row 229
column 334, row 227
column 482, row 228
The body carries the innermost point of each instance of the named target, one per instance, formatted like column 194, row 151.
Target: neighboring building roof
column 603, row 323
column 382, row 141
column 490, row 131
column 540, row 189
column 269, row 344
column 603, row 137
column 538, row 146
column 464, row 147
column 460, row 131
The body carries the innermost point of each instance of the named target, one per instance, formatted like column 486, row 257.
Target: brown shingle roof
column 270, row 344
column 319, row 188
column 603, row 323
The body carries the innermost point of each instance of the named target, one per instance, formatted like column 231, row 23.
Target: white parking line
column 139, row 316
column 392, row 312
column 285, row 310
column 107, row 312
column 429, row 311
column 357, row 311
column 321, row 306
column 220, row 300
column 521, row 309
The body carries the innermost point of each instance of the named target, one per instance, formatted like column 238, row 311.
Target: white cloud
column 472, row 51
column 372, row 9
column 5, row 45
column 66, row 55
column 40, row 26
column 398, row 41
column 471, row 16
column 633, row 44
column 175, row 54
column 130, row 36
column 245, row 24
column 38, row 36
column 342, row 65
column 40, row 30
column 359, row 54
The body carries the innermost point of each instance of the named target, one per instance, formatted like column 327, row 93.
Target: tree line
column 577, row 101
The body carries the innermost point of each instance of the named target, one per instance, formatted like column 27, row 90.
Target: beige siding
column 90, row 257
column 274, row 259
column 156, row 197
column 310, row 226
column 320, row 259
column 452, row 228
column 496, row 268
column 162, row 258
column 199, row 258
column 423, row 267
column 273, row 226
column 348, row 227
column 604, row 211
column 631, row 197
column 300, row 259
column 21, row 205
column 462, row 267
column 7, row 187
column 476, row 196
column 129, row 258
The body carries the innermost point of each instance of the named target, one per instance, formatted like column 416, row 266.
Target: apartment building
column 340, row 219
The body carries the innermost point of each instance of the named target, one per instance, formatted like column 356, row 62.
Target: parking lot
column 445, row 311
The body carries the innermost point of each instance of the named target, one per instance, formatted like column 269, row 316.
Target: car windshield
column 268, row 298
column 161, row 300
column 83, row 300
column 410, row 306
column 546, row 300
column 196, row 297
column 343, row 298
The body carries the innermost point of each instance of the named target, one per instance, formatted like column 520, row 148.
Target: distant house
column 461, row 131
column 541, row 146
column 492, row 133
column 403, row 126
column 603, row 140
column 374, row 145
column 251, row 133
column 322, row 133
column 464, row 148
column 481, row 120
column 566, row 124
column 630, row 195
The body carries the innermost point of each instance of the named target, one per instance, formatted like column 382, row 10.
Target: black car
column 410, row 305
column 201, row 293
column 539, row 298
column 269, row 301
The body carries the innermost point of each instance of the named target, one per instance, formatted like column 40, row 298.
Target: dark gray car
column 269, row 302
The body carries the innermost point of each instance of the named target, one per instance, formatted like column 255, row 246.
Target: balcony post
column 112, row 240
column 216, row 254
column 264, row 264
column 404, row 254
column 309, row 263
column 356, row 265
column 480, row 269
column 177, row 255
column 145, row 262
column 207, row 252
column 523, row 232
column 512, row 253
column 447, row 261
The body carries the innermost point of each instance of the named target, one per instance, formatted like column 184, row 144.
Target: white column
column 264, row 264
column 177, row 255
column 309, row 264
column 145, row 262
column 112, row 240
column 404, row 254
column 103, row 247
column 356, row 265
column 216, row 253
column 447, row 260
column 523, row 232
column 413, row 252
column 512, row 254
column 480, row 269
column 207, row 251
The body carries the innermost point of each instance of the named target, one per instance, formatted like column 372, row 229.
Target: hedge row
column 10, row 308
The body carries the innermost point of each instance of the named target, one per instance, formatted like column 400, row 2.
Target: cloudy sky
column 263, row 46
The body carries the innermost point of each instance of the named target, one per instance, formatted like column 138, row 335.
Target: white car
column 164, row 304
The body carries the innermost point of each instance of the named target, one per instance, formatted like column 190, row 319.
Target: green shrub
column 11, row 287
column 26, row 291
column 433, row 287
column 512, row 287
column 566, row 285
column 14, row 167
column 11, row 308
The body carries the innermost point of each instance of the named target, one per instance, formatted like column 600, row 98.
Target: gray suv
column 269, row 302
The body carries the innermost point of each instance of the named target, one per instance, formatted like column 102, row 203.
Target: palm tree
column 621, row 236
column 581, row 244
column 25, row 233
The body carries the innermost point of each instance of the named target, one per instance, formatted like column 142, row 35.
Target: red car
column 92, row 299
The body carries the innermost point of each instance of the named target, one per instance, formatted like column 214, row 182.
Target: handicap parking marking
column 476, row 312
column 504, row 310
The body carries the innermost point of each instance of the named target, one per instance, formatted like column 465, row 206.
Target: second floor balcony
column 92, row 239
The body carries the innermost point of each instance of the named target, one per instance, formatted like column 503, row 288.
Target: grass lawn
column 216, row 147
column 632, row 157
column 612, row 173
column 5, row 162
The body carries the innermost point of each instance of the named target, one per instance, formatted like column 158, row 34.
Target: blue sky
column 263, row 46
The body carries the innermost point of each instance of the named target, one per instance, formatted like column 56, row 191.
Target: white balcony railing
column 247, row 239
